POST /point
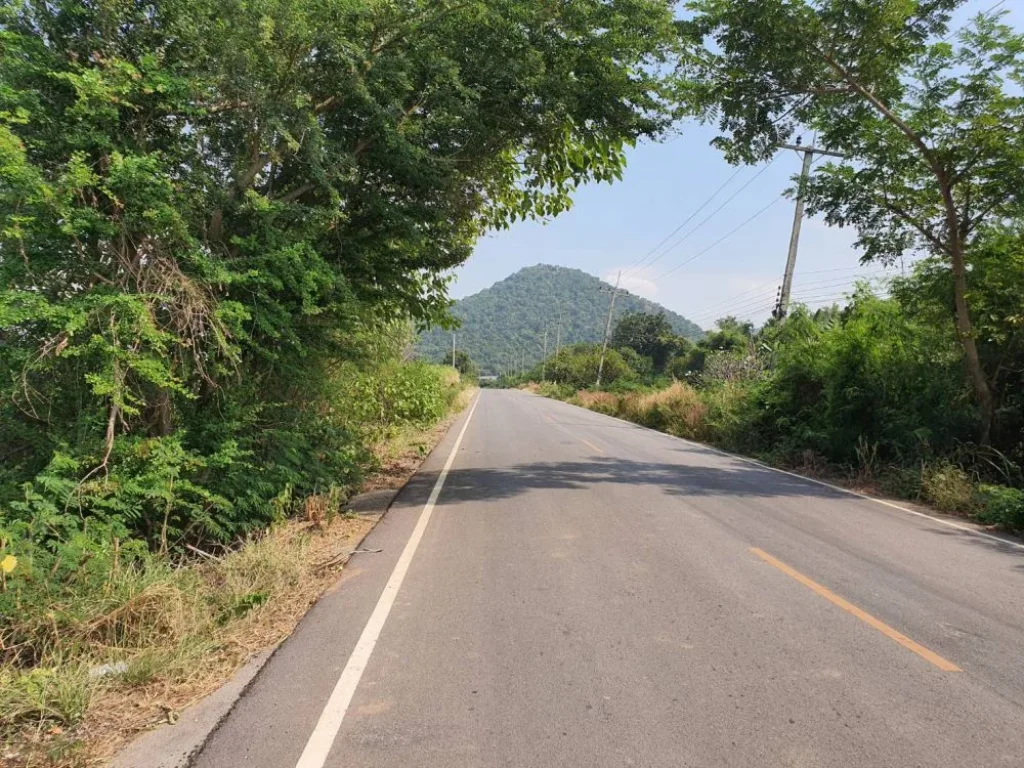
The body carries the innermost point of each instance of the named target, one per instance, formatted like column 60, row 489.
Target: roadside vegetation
column 220, row 224
column 871, row 393
column 917, row 394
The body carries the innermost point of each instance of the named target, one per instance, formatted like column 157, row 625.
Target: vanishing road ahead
column 588, row 593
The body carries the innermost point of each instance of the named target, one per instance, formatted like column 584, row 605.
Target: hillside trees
column 210, row 211
column 932, row 128
column 566, row 303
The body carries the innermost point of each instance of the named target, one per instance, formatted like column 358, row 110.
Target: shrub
column 678, row 410
column 1001, row 506
column 948, row 488
column 602, row 402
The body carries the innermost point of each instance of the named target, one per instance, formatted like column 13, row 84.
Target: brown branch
column 903, row 214
column 882, row 108
column 296, row 193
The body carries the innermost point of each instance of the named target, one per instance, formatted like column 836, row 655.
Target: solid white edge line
column 319, row 745
column 756, row 463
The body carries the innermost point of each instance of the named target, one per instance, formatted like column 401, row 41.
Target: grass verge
column 153, row 640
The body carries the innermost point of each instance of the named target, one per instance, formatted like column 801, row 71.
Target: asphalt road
column 589, row 593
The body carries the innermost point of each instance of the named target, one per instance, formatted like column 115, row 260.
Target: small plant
column 867, row 458
column 57, row 695
column 1001, row 506
column 948, row 488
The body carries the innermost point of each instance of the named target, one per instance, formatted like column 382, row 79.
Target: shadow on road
column 1007, row 547
column 674, row 479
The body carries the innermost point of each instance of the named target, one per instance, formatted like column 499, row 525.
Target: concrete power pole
column 453, row 351
column 607, row 325
column 544, row 361
column 798, row 217
column 558, row 334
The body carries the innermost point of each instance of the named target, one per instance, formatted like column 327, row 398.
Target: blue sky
column 612, row 226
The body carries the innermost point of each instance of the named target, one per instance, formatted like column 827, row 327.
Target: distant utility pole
column 798, row 217
column 558, row 333
column 453, row 351
column 544, row 360
column 608, row 325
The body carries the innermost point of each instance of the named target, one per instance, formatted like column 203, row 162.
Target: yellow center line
column 867, row 618
column 587, row 443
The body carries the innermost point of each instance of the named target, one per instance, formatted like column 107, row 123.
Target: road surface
column 585, row 592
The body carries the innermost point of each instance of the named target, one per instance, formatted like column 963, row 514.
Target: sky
column 610, row 227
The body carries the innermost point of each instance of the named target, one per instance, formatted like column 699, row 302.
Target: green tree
column 209, row 209
column 649, row 335
column 933, row 135
column 577, row 365
column 463, row 364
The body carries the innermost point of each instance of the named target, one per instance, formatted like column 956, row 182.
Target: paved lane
column 589, row 593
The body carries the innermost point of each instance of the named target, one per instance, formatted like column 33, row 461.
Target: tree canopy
column 930, row 121
column 207, row 209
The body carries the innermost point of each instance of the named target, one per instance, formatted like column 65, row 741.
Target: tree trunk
column 965, row 331
column 160, row 416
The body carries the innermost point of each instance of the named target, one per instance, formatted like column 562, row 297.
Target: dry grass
column 177, row 638
column 602, row 402
column 172, row 635
column 401, row 455
column 677, row 410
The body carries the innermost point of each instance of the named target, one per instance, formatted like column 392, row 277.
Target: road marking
column 867, row 618
column 591, row 446
column 322, row 739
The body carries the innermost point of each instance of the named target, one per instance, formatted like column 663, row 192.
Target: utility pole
column 453, row 350
column 544, row 361
column 607, row 325
column 798, row 218
column 558, row 334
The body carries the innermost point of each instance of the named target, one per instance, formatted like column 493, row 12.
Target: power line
column 761, row 287
column 722, row 239
column 711, row 215
column 968, row 23
column 688, row 219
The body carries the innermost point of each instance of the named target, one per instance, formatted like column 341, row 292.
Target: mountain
column 514, row 313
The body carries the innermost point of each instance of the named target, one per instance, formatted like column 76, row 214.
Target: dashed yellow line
column 867, row 618
column 591, row 446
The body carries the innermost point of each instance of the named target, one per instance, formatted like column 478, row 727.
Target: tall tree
column 931, row 124
column 191, row 190
column 649, row 335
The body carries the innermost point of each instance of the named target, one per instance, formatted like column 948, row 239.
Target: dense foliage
column 929, row 121
column 219, row 222
column 872, row 390
column 503, row 326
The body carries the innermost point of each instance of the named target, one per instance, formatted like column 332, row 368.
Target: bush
column 948, row 488
column 602, row 402
column 1001, row 506
column 577, row 366
column 677, row 410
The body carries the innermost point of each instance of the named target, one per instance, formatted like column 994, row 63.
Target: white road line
column 756, row 463
column 322, row 739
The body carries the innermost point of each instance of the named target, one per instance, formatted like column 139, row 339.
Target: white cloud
column 638, row 281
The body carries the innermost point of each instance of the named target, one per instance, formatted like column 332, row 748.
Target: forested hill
column 514, row 313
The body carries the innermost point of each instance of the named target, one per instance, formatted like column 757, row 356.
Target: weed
column 948, row 488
